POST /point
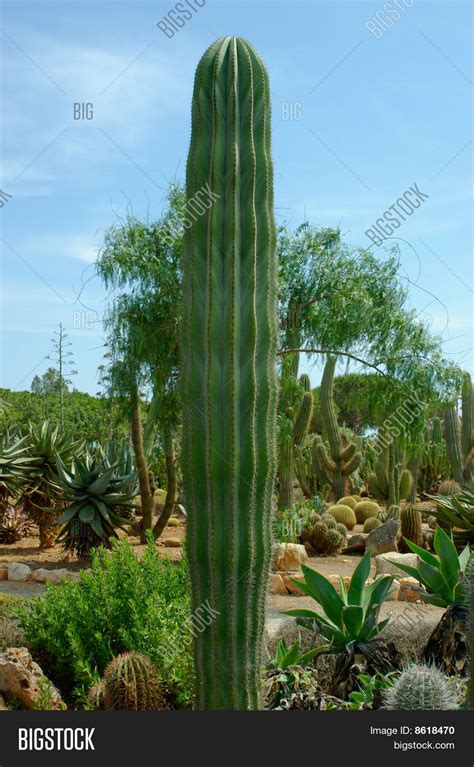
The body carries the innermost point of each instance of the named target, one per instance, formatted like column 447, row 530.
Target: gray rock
column 383, row 538
column 387, row 564
column 355, row 543
column 19, row 572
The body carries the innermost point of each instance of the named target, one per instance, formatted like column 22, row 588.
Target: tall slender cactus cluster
column 229, row 387
column 294, row 427
column 340, row 460
column 459, row 435
column 389, row 482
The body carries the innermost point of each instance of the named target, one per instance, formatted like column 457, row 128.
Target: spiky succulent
column 421, row 687
column 343, row 514
column 15, row 464
column 14, row 525
column 40, row 497
column 365, row 509
column 97, row 500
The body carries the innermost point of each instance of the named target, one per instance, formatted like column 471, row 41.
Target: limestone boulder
column 383, row 538
column 387, row 564
column 288, row 557
column 21, row 677
column 19, row 572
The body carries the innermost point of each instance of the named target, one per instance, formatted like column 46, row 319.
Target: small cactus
column 449, row 487
column 371, row 523
column 131, row 683
column 343, row 514
column 421, row 687
column 95, row 697
column 393, row 512
column 325, row 536
column 365, row 509
column 410, row 527
column 348, row 500
column 14, row 525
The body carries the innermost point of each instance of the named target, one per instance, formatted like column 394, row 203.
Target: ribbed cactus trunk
column 452, row 433
column 229, row 387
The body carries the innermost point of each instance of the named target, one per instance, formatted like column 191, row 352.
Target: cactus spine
column 131, row 684
column 229, row 387
column 339, row 461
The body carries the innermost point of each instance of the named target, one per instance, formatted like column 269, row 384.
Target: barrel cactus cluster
column 326, row 537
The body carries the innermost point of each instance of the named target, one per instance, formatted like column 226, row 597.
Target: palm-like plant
column 15, row 465
column 457, row 511
column 40, row 498
column 444, row 578
column 349, row 622
column 97, row 501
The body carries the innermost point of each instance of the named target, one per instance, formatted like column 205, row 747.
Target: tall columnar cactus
column 434, row 463
column 410, row 527
column 229, row 386
column 339, row 461
column 467, row 426
column 389, row 482
column 294, row 424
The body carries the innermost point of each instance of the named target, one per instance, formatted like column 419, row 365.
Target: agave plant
column 457, row 511
column 40, row 499
column 97, row 500
column 349, row 623
column 287, row 673
column 443, row 576
column 14, row 525
column 15, row 465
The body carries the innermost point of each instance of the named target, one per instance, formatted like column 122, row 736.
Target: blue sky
column 369, row 115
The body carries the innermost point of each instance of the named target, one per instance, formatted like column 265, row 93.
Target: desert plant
column 97, row 500
column 410, row 526
column 459, row 434
column 421, row 687
column 443, row 576
column 434, row 463
column 393, row 512
column 349, row 500
column 290, row 524
column 457, row 511
column 40, row 498
column 287, row 674
column 338, row 460
column 388, row 481
column 349, row 622
column 14, row 525
column 15, row 465
column 365, row 509
column 126, row 603
column 229, row 401
column 131, row 683
column 294, row 424
column 371, row 523
column 325, row 536
column 343, row 514
column 311, row 477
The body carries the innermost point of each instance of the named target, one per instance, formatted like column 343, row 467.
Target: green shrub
column 125, row 604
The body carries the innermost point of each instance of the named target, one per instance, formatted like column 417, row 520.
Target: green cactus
column 470, row 581
column 293, row 431
column 349, row 500
column 326, row 536
column 434, row 463
column 229, row 386
column 371, row 523
column 452, row 433
column 338, row 460
column 344, row 515
column 421, row 688
column 410, row 527
column 365, row 509
column 312, row 479
column 389, row 482
column 467, row 427
column 131, row 683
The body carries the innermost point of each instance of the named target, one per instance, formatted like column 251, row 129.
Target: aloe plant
column 40, row 500
column 97, row 500
column 15, row 465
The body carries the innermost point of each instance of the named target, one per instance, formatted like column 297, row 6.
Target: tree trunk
column 448, row 645
column 171, row 487
column 147, row 499
column 377, row 656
